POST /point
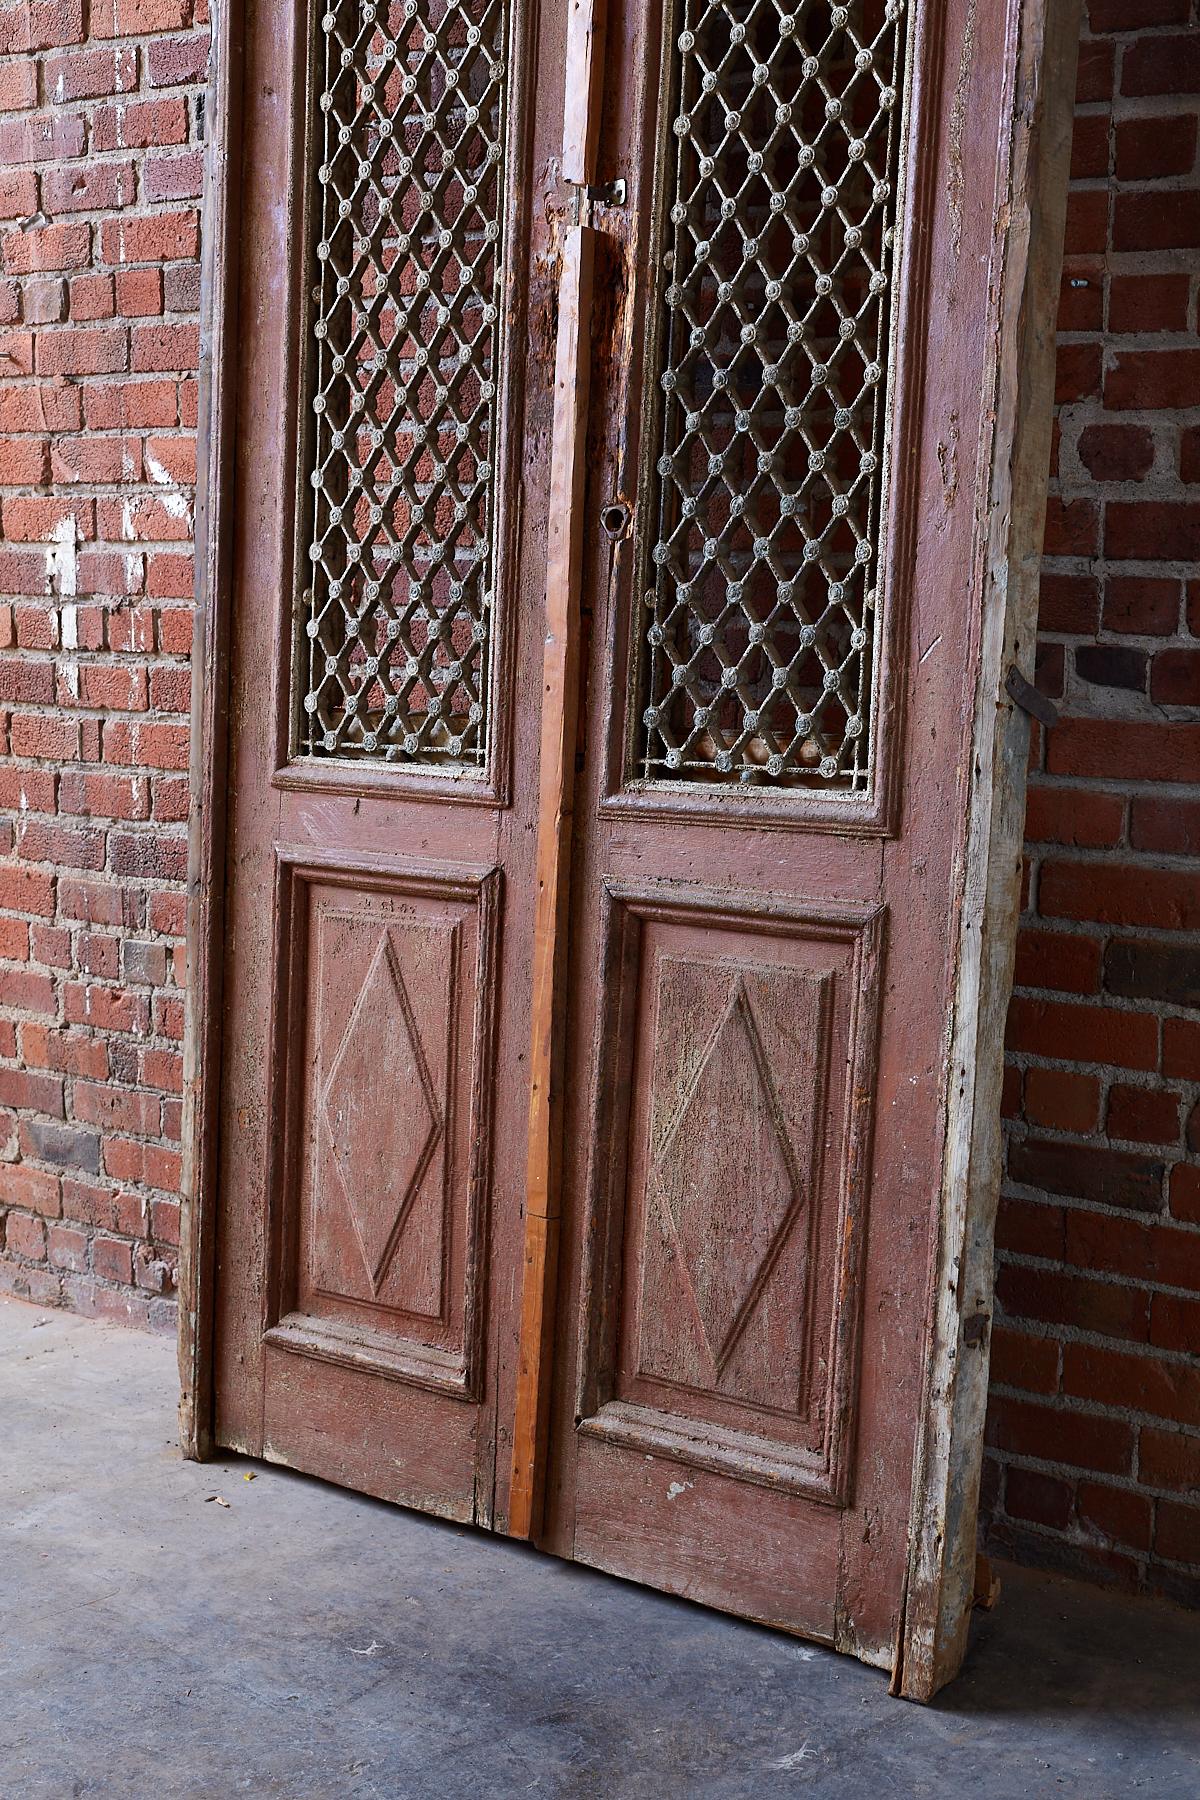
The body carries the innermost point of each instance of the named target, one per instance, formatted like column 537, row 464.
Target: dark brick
column 1111, row 665
column 66, row 1146
column 1087, row 1172
column 1153, row 969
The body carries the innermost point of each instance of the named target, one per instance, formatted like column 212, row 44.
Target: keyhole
column 614, row 520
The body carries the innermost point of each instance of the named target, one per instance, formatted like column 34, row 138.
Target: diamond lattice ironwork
column 773, row 341
column 408, row 196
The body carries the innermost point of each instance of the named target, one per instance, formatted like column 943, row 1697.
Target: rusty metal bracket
column 1023, row 694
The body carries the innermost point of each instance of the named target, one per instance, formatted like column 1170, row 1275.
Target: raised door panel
column 384, row 1039
column 729, row 1186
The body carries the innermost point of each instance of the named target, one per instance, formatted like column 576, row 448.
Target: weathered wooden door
column 389, row 492
column 628, row 533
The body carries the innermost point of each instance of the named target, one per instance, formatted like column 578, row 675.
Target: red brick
column 156, row 239
column 1148, row 303
column 1143, row 1115
column 1116, row 452
column 1054, row 1297
column 1177, row 1532
column 1094, row 80
column 1175, row 1323
column 1070, row 816
column 25, row 1235
column 1072, row 528
column 40, row 25
column 1169, row 64
column 1139, row 1250
column 1077, row 1032
column 1171, row 826
column 1089, row 147
column 41, row 137
column 172, row 62
column 1063, row 1099
column 1158, row 219
column 1077, row 373
column 1150, row 152
column 1169, row 1459
column 1138, row 379
column 1029, row 1363
column 91, row 187
column 1145, row 605
column 1066, row 963
column 1087, row 221
column 139, row 125
column 91, row 74
column 179, row 177
column 1125, row 750
column 1121, row 1517
column 102, row 350
column 1070, row 603
column 24, row 462
column 18, row 86
column 1141, row 1383
column 139, row 293
column 1113, row 895
column 1181, row 1048
column 132, row 18
column 1175, row 678
column 37, row 1190
column 1056, row 1434
column 1028, row 1494
column 18, row 193
column 31, row 251
column 1134, row 15
column 174, row 347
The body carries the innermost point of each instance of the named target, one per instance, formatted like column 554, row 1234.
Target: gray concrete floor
column 306, row 1642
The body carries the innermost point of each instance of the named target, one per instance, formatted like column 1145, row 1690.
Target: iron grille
column 777, row 248
column 408, row 200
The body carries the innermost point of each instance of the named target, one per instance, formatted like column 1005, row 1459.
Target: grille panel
column 397, row 619
column 761, row 588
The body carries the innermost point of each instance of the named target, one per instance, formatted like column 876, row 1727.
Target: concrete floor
column 305, row 1642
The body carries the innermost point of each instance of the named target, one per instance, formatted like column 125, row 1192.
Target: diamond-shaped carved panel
column 727, row 1212
column 381, row 1112
column 773, row 342
column 739, row 1072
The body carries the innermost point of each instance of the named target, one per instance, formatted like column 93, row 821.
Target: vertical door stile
column 556, row 786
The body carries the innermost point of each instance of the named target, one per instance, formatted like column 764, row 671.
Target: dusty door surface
column 787, row 399
column 618, row 614
column 387, row 586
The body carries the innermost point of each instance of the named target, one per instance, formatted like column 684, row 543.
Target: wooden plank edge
column 584, row 73
column 208, row 758
column 936, row 1607
column 556, row 783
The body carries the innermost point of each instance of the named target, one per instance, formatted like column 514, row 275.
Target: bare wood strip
column 560, row 699
column 581, row 112
column 1011, row 516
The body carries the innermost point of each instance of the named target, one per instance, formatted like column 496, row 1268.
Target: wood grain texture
column 209, row 711
column 1039, row 59
column 556, row 799
column 585, row 71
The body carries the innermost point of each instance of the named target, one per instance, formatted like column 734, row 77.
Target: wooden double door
column 604, row 654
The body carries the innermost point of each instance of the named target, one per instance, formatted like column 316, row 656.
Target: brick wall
column 101, row 118
column 1094, row 1433
column 1095, row 1424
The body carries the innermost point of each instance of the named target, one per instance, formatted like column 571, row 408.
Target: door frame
column 1036, row 43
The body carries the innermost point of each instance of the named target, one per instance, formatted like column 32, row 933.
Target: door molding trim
column 208, row 765
column 1040, row 48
